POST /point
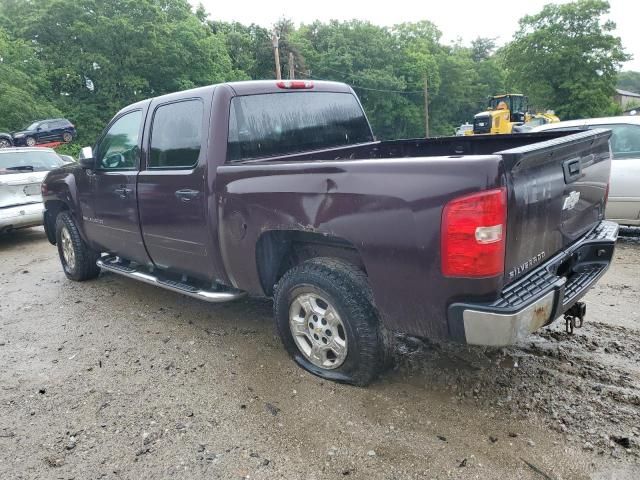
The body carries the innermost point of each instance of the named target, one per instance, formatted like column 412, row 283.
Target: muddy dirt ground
column 119, row 380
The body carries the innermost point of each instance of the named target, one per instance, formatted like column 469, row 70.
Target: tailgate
column 20, row 188
column 557, row 193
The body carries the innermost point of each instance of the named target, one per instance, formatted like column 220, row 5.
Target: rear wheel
column 30, row 141
column 327, row 323
column 67, row 137
column 5, row 143
column 77, row 259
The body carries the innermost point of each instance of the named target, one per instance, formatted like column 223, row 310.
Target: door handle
column 122, row 192
column 186, row 195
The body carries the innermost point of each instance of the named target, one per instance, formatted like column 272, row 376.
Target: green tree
column 249, row 48
column 363, row 55
column 482, row 48
column 567, row 58
column 104, row 54
column 23, row 86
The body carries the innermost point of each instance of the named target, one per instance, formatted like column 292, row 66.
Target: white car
column 624, row 191
column 21, row 173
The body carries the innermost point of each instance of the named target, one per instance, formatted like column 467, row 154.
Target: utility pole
column 426, row 107
column 276, row 53
column 292, row 69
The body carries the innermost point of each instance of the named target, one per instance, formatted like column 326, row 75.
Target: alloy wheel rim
column 67, row 249
column 4, row 143
column 318, row 331
column 31, row 142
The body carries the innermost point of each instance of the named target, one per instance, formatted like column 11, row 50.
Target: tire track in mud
column 586, row 385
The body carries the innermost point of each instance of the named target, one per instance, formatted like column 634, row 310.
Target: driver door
column 115, row 223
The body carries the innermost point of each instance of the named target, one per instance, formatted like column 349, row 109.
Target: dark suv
column 45, row 131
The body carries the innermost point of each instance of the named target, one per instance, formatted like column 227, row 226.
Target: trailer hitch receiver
column 574, row 317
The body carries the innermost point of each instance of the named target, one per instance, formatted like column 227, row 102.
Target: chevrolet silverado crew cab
column 279, row 189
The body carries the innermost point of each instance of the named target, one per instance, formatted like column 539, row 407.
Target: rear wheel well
column 278, row 251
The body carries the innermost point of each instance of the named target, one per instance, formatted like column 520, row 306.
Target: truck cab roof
column 252, row 87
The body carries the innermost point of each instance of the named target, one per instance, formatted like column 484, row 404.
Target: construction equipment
column 507, row 111
column 537, row 119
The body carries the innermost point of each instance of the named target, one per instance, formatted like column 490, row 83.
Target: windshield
column 514, row 103
column 21, row 161
column 499, row 103
column 33, row 126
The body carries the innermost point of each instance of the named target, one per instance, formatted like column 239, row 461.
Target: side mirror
column 85, row 159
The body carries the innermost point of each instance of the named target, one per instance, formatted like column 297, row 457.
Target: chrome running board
column 113, row 264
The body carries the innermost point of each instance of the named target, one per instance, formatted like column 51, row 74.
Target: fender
column 60, row 192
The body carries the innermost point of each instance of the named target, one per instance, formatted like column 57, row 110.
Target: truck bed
column 421, row 147
column 386, row 200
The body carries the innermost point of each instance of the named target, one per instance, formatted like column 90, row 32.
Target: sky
column 457, row 19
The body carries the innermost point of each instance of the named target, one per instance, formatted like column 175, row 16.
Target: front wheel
column 325, row 318
column 30, row 141
column 77, row 259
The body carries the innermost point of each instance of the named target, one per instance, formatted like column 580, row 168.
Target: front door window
column 118, row 149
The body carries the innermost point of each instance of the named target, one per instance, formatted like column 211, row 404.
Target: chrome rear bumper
column 539, row 298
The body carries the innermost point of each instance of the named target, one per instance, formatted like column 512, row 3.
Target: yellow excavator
column 509, row 113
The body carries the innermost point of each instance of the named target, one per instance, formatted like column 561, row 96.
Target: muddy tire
column 326, row 320
column 77, row 259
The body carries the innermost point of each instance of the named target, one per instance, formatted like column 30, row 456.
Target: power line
column 366, row 88
column 389, row 91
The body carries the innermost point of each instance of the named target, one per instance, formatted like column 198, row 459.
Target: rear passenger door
column 172, row 196
column 43, row 134
column 57, row 129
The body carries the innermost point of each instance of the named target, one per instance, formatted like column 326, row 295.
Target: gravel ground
column 116, row 379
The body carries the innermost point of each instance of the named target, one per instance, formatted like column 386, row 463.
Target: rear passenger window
column 284, row 123
column 625, row 140
column 176, row 135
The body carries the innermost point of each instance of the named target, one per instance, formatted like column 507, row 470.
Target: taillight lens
column 43, row 189
column 295, row 84
column 473, row 234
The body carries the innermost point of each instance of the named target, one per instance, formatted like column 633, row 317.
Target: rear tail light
column 295, row 84
column 43, row 189
column 473, row 234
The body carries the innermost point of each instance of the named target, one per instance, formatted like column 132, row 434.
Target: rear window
column 283, row 123
column 28, row 161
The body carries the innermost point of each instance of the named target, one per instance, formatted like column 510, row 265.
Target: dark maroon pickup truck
column 280, row 189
